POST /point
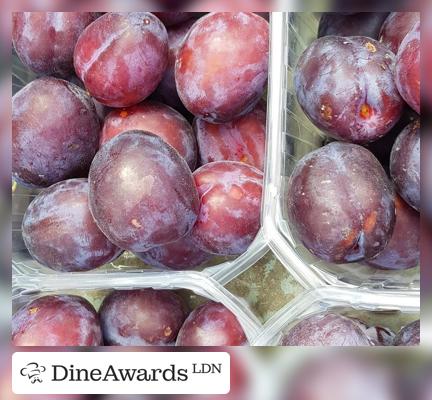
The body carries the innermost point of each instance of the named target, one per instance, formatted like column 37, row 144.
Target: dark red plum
column 229, row 218
column 59, row 320
column 221, row 68
column 142, row 193
column 60, row 233
column 405, row 164
column 156, row 118
column 121, row 57
column 358, row 24
column 345, row 86
column 45, row 41
column 170, row 18
column 409, row 335
column 240, row 140
column 144, row 317
column 341, row 203
column 326, row 329
column 396, row 27
column 166, row 92
column 211, row 324
column 403, row 249
column 407, row 71
column 180, row 255
column 55, row 132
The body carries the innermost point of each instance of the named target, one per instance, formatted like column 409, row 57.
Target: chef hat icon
column 32, row 371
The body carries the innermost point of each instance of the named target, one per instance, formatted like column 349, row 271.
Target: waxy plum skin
column 60, row 233
column 211, row 324
column 55, row 132
column 45, row 41
column 221, row 68
column 405, row 164
column 108, row 57
column 230, row 197
column 156, row 118
column 240, row 140
column 180, row 255
column 142, row 192
column 340, row 203
column 141, row 317
column 396, row 26
column 56, row 320
column 345, row 86
column 407, row 71
column 326, row 329
column 403, row 248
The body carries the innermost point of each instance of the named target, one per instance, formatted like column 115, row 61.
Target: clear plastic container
column 195, row 287
column 390, row 309
column 290, row 136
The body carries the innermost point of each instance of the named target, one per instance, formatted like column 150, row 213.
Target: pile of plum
column 146, row 131
column 140, row 317
column 359, row 83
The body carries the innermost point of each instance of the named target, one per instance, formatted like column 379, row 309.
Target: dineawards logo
column 33, row 371
column 121, row 373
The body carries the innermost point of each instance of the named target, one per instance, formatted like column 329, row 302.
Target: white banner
column 121, row 373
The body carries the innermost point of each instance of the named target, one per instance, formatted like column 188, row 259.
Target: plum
column 229, row 217
column 45, row 41
column 180, row 255
column 155, row 118
column 346, row 88
column 142, row 317
column 409, row 335
column 55, row 132
column 240, row 140
column 56, row 320
column 396, row 27
column 403, row 249
column 60, row 233
column 405, row 164
column 166, row 92
column 221, row 68
column 211, row 324
column 358, row 24
column 142, row 193
column 340, row 203
column 407, row 71
column 326, row 329
column 121, row 57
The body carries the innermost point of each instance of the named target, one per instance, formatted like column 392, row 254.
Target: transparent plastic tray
column 389, row 309
column 290, row 135
column 27, row 288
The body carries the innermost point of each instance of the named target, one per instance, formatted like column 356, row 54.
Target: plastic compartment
column 223, row 269
column 194, row 286
column 290, row 135
column 391, row 309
